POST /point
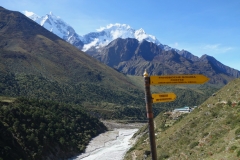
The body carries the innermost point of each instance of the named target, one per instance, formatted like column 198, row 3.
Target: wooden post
column 148, row 100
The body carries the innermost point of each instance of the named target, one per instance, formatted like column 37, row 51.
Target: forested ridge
column 99, row 101
column 37, row 129
column 39, row 87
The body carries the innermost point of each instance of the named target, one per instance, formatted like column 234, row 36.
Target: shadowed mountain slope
column 37, row 64
column 130, row 56
column 33, row 58
column 106, row 46
column 27, row 47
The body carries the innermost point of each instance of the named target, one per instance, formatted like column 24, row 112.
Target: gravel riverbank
column 111, row 125
column 111, row 145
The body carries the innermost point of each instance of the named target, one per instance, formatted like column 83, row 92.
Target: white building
column 183, row 110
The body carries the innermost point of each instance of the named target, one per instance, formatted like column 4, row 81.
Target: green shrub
column 193, row 124
column 205, row 134
column 131, row 149
column 229, row 103
column 235, row 121
column 233, row 148
column 214, row 114
column 184, row 140
column 163, row 156
column 237, row 133
column 193, row 144
column 238, row 153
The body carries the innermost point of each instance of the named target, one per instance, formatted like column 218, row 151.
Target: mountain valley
column 132, row 51
column 56, row 86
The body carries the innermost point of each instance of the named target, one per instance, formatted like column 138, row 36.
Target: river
column 111, row 145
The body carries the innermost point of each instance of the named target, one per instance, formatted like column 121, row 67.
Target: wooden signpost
column 164, row 97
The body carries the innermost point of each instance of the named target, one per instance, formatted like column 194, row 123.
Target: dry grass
column 209, row 132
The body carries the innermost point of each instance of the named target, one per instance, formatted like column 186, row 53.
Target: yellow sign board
column 163, row 97
column 178, row 79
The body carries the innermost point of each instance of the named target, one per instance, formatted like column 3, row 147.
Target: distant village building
column 185, row 109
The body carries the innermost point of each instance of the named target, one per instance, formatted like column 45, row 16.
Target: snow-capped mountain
column 57, row 26
column 131, row 51
column 102, row 37
column 94, row 40
column 107, row 34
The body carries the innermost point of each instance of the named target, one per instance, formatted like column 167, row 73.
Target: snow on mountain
column 105, row 35
column 31, row 15
column 102, row 37
column 57, row 26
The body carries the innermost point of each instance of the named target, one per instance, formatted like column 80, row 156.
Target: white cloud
column 201, row 49
column 211, row 46
column 216, row 48
column 176, row 44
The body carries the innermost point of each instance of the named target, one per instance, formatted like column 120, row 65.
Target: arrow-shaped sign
column 178, row 79
column 163, row 97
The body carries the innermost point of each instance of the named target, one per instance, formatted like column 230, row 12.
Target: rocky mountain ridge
column 102, row 37
column 57, row 26
column 130, row 56
column 132, row 51
column 31, row 56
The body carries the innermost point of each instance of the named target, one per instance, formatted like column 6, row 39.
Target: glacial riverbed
column 111, row 145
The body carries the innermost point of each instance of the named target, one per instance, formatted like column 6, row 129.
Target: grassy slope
column 210, row 132
column 38, row 64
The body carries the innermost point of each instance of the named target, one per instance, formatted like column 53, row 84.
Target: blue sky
column 200, row 26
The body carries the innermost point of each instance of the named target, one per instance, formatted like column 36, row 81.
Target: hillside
column 211, row 131
column 132, row 51
column 26, row 47
column 38, row 64
column 190, row 95
column 33, row 129
column 35, row 63
column 131, row 56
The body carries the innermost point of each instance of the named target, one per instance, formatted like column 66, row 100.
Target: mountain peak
column 105, row 35
column 27, row 13
column 140, row 31
column 102, row 37
column 114, row 27
column 53, row 16
column 57, row 26
column 31, row 15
